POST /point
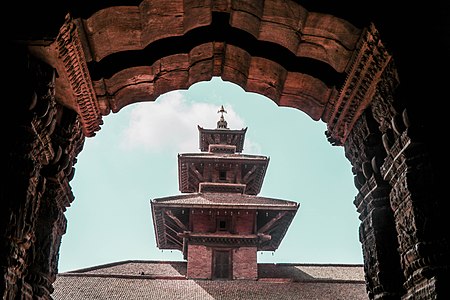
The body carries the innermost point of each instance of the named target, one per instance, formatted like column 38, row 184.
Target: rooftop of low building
column 137, row 279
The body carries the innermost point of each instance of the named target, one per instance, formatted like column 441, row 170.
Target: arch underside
column 120, row 55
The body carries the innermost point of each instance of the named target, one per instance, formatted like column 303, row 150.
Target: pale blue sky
column 133, row 159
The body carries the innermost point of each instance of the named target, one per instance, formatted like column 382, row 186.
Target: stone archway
column 103, row 58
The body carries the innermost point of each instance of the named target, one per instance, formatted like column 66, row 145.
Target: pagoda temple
column 219, row 222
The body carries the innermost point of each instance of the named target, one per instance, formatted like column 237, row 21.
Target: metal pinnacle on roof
column 222, row 123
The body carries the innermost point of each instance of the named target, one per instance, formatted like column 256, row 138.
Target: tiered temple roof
column 220, row 209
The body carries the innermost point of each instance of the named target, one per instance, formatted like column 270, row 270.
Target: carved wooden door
column 222, row 264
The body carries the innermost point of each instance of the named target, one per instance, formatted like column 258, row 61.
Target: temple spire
column 222, row 124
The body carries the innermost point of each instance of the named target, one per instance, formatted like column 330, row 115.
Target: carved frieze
column 364, row 72
column 71, row 53
column 230, row 240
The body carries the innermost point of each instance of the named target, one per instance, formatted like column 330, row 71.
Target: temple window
column 222, row 175
column 223, row 224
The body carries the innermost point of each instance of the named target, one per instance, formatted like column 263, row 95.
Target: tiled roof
column 154, row 269
column 190, row 165
column 220, row 199
column 166, row 280
column 228, row 156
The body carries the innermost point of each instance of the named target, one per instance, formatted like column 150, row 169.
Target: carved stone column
column 377, row 230
column 31, row 220
column 43, row 259
column 28, row 150
column 418, row 208
column 419, row 213
column 50, row 219
column 350, row 123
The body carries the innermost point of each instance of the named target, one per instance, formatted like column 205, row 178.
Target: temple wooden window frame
column 223, row 224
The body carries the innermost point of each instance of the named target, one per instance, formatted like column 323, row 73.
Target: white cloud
column 251, row 147
column 170, row 123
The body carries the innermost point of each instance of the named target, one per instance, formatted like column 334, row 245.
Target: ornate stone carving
column 417, row 211
column 50, row 226
column 41, row 157
column 383, row 100
column 71, row 53
column 364, row 73
column 377, row 230
column 30, row 151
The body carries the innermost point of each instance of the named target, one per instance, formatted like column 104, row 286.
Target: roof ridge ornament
column 222, row 124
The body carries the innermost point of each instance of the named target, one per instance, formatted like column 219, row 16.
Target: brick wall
column 244, row 263
column 203, row 223
column 199, row 262
column 244, row 222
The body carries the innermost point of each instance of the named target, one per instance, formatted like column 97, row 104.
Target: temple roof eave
column 216, row 200
column 201, row 129
column 263, row 241
column 160, row 205
column 226, row 206
column 260, row 162
column 238, row 157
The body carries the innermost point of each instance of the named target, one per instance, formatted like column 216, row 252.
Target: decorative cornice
column 215, row 187
column 364, row 72
column 226, row 239
column 70, row 51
